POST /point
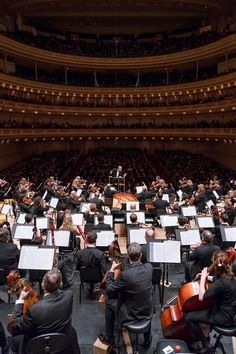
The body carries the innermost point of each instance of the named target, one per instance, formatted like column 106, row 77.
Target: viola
column 16, row 283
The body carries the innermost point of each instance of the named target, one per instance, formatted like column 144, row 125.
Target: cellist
column 223, row 292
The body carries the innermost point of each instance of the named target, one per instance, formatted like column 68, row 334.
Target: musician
column 51, row 314
column 49, row 188
column 224, row 221
column 134, row 290
column 89, row 215
column 223, row 292
column 99, row 202
column 4, row 185
column 134, row 221
column 201, row 256
column 145, row 195
column 149, row 236
column 117, row 172
column 73, row 202
column 9, row 253
column 160, row 204
column 38, row 208
column 101, row 224
column 231, row 211
column 91, row 256
column 108, row 192
column 200, row 198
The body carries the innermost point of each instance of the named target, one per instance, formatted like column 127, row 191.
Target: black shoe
column 147, row 343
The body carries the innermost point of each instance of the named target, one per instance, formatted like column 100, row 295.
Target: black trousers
column 195, row 317
column 2, row 336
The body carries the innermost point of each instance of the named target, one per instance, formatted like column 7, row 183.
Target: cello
column 172, row 319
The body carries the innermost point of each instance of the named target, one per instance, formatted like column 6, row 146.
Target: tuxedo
column 9, row 256
column 91, row 257
column 102, row 226
column 51, row 314
column 134, row 290
column 116, row 173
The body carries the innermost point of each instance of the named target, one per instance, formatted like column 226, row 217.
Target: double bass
column 172, row 319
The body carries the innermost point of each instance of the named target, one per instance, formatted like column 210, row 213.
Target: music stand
column 108, row 219
column 21, row 218
column 6, row 209
column 169, row 220
column 118, row 182
column 22, row 232
column 36, row 257
column 189, row 211
column 84, row 207
column 140, row 217
column 42, row 223
column 205, row 222
column 77, row 218
column 228, row 233
column 163, row 252
column 137, row 235
column 188, row 237
column 104, row 238
column 53, row 202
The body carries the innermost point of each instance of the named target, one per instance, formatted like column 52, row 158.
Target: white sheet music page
column 53, row 202
column 190, row 237
column 138, row 236
column 230, row 234
column 169, row 220
column 104, row 238
column 24, row 232
column 34, row 257
column 172, row 251
column 206, row 221
column 139, row 189
column 77, row 219
column 6, row 209
column 78, row 192
column 62, row 238
column 216, row 194
column 21, row 218
column 165, row 197
column 189, row 211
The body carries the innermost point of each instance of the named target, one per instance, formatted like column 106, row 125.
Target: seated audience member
column 91, row 256
column 133, row 287
column 9, row 253
column 101, row 224
column 224, row 302
column 46, row 316
column 201, row 256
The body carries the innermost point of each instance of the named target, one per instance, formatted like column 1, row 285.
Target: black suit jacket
column 92, row 257
column 73, row 204
column 202, row 256
column 114, row 173
column 160, row 204
column 9, row 256
column 51, row 314
column 99, row 203
column 134, row 290
column 102, row 226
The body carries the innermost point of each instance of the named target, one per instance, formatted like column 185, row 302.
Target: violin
column 16, row 283
column 172, row 319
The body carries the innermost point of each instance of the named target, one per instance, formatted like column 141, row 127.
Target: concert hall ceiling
column 115, row 16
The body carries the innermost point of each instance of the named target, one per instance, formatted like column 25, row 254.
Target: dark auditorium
column 117, row 177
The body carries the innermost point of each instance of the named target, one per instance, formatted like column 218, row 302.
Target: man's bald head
column 150, row 235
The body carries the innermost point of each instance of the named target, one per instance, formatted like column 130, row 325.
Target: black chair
column 137, row 327
column 163, row 343
column 156, row 280
column 222, row 331
column 3, row 281
column 91, row 275
column 51, row 343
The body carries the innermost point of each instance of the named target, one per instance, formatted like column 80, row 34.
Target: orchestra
column 87, row 198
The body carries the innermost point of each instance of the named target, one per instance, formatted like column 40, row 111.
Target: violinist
column 200, row 198
column 223, row 292
column 3, row 188
column 98, row 201
column 160, row 204
column 201, row 256
column 9, row 253
column 73, row 202
column 37, row 208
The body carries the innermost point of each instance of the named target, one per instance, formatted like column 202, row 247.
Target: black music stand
column 118, row 183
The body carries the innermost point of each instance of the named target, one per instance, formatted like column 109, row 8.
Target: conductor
column 117, row 172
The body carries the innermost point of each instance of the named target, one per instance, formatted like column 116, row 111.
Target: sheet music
column 77, row 218
column 140, row 216
column 6, row 209
column 53, row 202
column 169, row 220
column 21, row 218
column 45, row 194
column 137, row 235
column 209, row 203
column 216, row 194
column 104, row 238
column 165, row 252
column 23, row 232
column 190, row 237
column 128, row 204
column 34, row 257
column 230, row 234
column 61, row 238
column 166, row 197
column 206, row 221
column 108, row 219
column 42, row 223
column 84, row 207
column 189, row 211
column 139, row 189
column 78, row 192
